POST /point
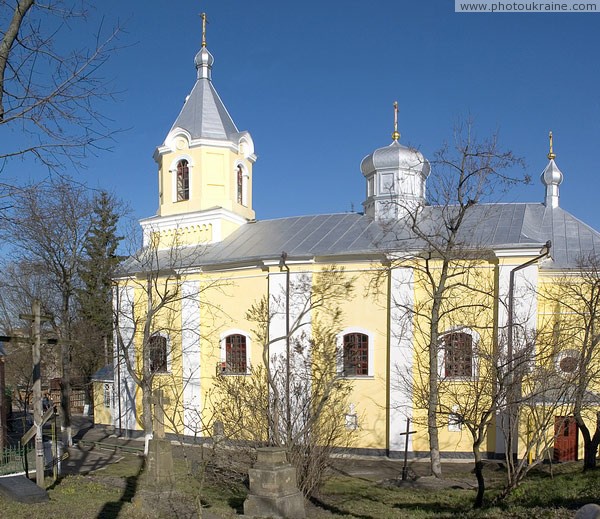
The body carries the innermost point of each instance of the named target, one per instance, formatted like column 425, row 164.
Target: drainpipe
column 288, row 411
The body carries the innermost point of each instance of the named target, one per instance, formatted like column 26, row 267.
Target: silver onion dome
column 396, row 157
column 204, row 61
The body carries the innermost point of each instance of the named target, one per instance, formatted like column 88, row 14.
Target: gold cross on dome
column 395, row 134
column 551, row 154
column 203, row 16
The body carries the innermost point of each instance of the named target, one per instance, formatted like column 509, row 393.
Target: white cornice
column 212, row 217
column 514, row 252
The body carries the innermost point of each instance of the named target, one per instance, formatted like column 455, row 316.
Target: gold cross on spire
column 551, row 154
column 203, row 16
column 395, row 134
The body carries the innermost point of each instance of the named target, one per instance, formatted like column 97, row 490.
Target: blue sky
column 314, row 82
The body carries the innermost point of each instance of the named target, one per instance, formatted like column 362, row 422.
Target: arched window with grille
column 158, row 354
column 235, row 354
column 458, row 355
column 240, row 184
column 356, row 354
column 183, row 180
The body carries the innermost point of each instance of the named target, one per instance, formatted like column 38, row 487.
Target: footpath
column 94, row 449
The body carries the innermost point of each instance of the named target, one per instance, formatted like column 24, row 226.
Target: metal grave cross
column 407, row 434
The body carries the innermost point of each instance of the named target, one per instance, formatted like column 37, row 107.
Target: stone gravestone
column 160, row 453
column 591, row 511
column 273, row 487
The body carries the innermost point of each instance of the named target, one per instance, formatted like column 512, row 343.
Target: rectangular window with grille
column 458, row 349
column 158, row 354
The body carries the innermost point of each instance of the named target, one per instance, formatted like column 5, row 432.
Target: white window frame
column 223, row 349
column 340, row 351
column 475, row 339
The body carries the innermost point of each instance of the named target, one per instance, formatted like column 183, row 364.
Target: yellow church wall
column 366, row 311
column 228, row 297
column 213, row 181
column 215, row 190
column 562, row 303
column 102, row 414
column 231, row 297
column 469, row 305
column 166, row 322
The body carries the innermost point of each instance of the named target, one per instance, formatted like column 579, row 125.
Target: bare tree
column 49, row 91
column 297, row 398
column 542, row 397
column 21, row 282
column 572, row 340
column 449, row 256
column 47, row 228
column 147, row 312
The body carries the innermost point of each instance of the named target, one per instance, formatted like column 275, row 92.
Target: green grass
column 117, row 492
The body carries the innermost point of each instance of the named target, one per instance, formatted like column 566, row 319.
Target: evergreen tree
column 95, row 296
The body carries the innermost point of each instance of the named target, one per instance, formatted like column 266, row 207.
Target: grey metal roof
column 105, row 374
column 204, row 115
column 491, row 226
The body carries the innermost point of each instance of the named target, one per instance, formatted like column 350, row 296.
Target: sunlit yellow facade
column 206, row 251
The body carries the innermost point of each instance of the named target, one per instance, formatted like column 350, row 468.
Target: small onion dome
column 551, row 176
column 204, row 61
column 396, row 157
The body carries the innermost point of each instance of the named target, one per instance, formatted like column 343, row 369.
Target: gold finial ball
column 395, row 135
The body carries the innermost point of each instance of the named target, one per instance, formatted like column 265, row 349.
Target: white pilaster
column 401, row 356
column 524, row 319
column 298, row 314
column 123, row 300
column 190, row 357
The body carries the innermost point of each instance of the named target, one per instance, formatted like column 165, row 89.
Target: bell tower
column 204, row 168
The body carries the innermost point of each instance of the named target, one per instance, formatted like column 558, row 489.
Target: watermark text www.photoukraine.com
column 526, row 6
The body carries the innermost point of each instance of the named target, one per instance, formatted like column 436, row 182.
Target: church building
column 188, row 304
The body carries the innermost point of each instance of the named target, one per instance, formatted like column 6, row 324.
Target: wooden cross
column 36, row 341
column 158, row 423
column 407, row 433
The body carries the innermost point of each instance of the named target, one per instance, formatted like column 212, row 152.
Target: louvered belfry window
column 183, row 180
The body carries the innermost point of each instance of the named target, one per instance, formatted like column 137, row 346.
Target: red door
column 565, row 438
